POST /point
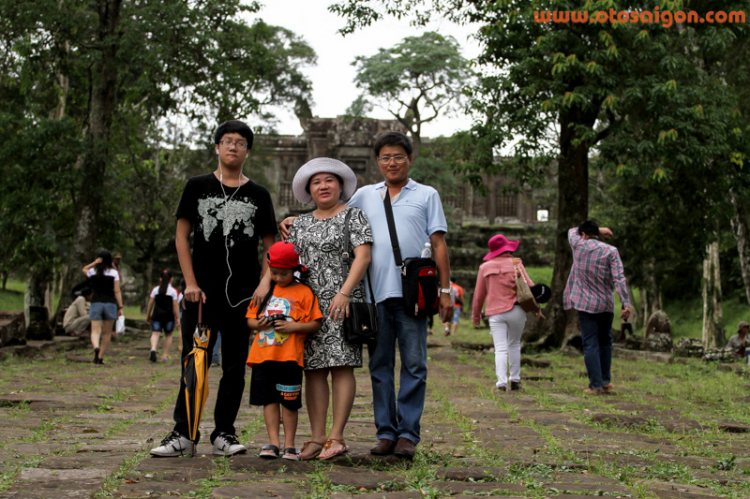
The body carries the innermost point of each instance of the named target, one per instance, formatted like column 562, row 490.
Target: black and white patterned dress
column 321, row 244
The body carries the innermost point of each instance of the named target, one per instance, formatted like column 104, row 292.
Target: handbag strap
column 392, row 228
column 516, row 272
column 346, row 255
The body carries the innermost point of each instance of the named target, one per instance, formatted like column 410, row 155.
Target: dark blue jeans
column 597, row 347
column 394, row 326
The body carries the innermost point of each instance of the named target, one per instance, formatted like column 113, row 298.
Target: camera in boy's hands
column 277, row 317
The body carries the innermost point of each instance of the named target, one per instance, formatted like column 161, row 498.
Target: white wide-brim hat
column 323, row 165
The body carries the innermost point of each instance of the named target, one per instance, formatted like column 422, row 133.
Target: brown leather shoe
column 405, row 448
column 384, row 447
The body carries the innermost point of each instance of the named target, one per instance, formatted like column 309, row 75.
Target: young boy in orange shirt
column 287, row 314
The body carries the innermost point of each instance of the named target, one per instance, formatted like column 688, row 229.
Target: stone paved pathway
column 72, row 429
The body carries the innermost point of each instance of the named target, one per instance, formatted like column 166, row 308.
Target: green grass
column 686, row 316
column 12, row 297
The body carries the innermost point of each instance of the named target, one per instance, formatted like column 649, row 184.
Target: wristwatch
column 447, row 291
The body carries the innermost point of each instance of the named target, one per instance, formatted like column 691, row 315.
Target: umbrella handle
column 200, row 311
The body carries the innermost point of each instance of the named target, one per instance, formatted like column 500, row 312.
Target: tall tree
column 123, row 66
column 580, row 82
column 416, row 81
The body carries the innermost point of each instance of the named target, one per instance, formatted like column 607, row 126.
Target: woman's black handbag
column 361, row 326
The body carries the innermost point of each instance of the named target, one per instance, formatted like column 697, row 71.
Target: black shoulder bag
column 361, row 326
column 419, row 286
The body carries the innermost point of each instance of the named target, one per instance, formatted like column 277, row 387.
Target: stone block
column 12, row 328
column 658, row 337
column 689, row 347
column 39, row 327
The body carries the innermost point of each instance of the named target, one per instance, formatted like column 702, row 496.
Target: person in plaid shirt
column 597, row 270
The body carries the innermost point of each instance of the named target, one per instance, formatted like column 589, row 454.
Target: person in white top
column 106, row 301
column 163, row 304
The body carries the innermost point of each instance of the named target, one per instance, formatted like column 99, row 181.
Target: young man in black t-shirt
column 228, row 215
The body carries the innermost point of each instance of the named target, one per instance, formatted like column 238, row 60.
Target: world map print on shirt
column 226, row 237
column 271, row 337
column 236, row 214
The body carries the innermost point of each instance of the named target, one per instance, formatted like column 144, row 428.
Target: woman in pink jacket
column 497, row 286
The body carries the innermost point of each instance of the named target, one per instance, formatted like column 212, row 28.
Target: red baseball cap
column 283, row 255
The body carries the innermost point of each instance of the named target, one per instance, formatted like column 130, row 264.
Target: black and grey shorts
column 277, row 382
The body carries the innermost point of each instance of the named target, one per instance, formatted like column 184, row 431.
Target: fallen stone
column 472, row 473
column 266, row 489
column 254, row 464
column 718, row 354
column 472, row 347
column 362, row 478
column 61, row 475
column 620, row 420
column 487, row 488
column 411, row 494
column 108, row 462
column 658, row 336
column 689, row 347
column 153, row 489
column 732, row 427
column 538, row 363
column 667, row 490
column 595, row 488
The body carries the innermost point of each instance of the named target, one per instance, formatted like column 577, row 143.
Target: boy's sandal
column 589, row 391
column 329, row 442
column 314, row 454
column 608, row 388
column 269, row 452
column 291, row 454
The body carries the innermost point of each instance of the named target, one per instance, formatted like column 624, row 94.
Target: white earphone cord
column 226, row 233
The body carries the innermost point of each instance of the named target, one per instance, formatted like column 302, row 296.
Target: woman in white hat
column 327, row 183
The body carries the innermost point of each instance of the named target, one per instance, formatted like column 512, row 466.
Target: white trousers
column 506, row 330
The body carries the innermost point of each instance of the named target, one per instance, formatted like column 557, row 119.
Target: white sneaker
column 228, row 445
column 174, row 445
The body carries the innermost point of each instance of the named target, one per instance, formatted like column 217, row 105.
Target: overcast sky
column 333, row 76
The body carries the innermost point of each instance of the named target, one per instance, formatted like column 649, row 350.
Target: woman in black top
column 163, row 314
column 106, row 302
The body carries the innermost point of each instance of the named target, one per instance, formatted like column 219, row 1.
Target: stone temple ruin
column 351, row 141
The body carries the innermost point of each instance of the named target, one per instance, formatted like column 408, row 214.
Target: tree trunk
column 94, row 163
column 713, row 320
column 572, row 209
column 741, row 230
column 147, row 282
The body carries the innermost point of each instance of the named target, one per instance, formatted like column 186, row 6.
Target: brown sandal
column 314, row 454
column 344, row 448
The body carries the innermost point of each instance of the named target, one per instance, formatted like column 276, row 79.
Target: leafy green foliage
column 87, row 92
column 416, row 80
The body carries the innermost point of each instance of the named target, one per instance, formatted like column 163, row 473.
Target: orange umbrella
column 195, row 374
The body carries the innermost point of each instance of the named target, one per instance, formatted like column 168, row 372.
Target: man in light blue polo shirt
column 419, row 218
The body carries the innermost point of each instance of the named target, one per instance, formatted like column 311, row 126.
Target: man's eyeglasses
column 386, row 160
column 228, row 143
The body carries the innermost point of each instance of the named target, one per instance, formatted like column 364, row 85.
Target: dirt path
column 72, row 429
